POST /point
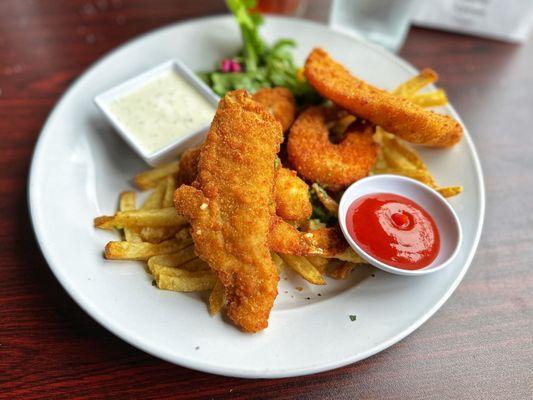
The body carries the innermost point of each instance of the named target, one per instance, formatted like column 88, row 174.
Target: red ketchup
column 394, row 230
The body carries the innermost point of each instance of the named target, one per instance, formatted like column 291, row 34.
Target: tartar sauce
column 161, row 110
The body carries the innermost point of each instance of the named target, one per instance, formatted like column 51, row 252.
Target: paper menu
column 508, row 20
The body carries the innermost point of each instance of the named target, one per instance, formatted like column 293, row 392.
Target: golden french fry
column 329, row 204
column 138, row 251
column 217, row 298
column 408, row 88
column 304, row 268
column 342, row 271
column 319, row 262
column 127, row 203
column 179, row 280
column 172, row 260
column 158, row 234
column 196, row 264
column 170, row 187
column 155, row 199
column 164, row 217
column 184, row 235
column 435, row 98
column 449, row 191
column 148, row 179
column 278, row 261
column 350, row 256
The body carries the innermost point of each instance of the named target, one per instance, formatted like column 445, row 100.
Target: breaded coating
column 317, row 159
column 393, row 113
column 291, row 196
column 286, row 239
column 188, row 166
column 279, row 102
column 291, row 193
column 230, row 206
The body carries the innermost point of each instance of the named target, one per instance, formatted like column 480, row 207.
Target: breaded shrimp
column 317, row 159
column 393, row 113
column 291, row 196
column 230, row 206
column 279, row 102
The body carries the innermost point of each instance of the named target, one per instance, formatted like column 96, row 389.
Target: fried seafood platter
column 260, row 195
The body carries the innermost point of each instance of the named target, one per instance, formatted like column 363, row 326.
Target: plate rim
column 130, row 337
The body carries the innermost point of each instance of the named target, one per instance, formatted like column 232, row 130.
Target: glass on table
column 384, row 22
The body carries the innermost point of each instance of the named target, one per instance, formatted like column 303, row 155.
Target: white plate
column 80, row 165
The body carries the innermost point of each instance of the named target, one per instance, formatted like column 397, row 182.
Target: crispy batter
column 188, row 166
column 279, row 102
column 286, row 239
column 291, row 196
column 317, row 159
column 395, row 114
column 231, row 206
column 291, row 193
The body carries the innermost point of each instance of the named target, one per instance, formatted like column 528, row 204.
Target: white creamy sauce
column 161, row 110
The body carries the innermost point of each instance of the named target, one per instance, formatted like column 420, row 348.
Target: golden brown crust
column 279, row 102
column 286, row 239
column 395, row 114
column 317, row 159
column 291, row 196
column 189, row 166
column 231, row 206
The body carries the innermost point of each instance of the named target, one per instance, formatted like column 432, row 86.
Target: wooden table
column 479, row 345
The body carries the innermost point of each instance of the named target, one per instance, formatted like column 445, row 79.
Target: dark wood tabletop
column 478, row 346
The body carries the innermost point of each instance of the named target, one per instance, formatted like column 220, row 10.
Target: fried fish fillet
column 395, row 114
column 231, row 204
column 291, row 193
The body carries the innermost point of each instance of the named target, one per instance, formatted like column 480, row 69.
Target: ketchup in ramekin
column 394, row 230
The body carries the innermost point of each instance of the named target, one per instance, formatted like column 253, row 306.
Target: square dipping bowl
column 177, row 146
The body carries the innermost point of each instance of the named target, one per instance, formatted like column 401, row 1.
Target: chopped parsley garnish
column 353, row 317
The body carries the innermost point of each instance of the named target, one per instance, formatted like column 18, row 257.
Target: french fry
column 278, row 262
column 149, row 179
column 319, row 262
column 435, row 98
column 127, row 203
column 217, row 298
column 138, row 251
column 408, row 88
column 350, row 256
column 172, row 260
column 449, row 191
column 155, row 199
column 170, row 187
column 164, row 217
column 179, row 280
column 329, row 204
column 342, row 271
column 158, row 234
column 304, row 268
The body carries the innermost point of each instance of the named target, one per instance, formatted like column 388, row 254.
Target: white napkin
column 507, row 20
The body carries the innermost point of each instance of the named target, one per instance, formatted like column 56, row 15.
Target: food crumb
column 197, row 348
column 353, row 317
column 319, row 294
column 308, row 235
column 286, row 291
column 299, row 288
column 203, row 206
column 154, row 283
column 199, row 232
column 373, row 275
column 308, row 298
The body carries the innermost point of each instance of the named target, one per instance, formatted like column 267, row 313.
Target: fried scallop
column 393, row 113
column 333, row 165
